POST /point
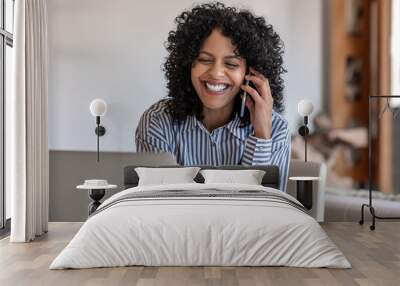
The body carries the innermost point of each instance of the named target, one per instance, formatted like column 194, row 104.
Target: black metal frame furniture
column 369, row 205
column 270, row 179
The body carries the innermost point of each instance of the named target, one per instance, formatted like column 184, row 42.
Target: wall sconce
column 98, row 108
column 305, row 108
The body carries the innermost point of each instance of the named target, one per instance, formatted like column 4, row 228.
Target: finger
column 261, row 86
column 252, row 92
column 250, row 105
column 269, row 96
column 261, row 76
column 257, row 73
column 268, row 87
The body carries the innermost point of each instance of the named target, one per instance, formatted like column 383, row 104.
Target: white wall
column 113, row 49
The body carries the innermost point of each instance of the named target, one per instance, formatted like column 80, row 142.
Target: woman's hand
column 261, row 106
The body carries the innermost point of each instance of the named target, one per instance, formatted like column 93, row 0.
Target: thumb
column 250, row 105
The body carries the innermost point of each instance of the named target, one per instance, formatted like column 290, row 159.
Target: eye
column 232, row 65
column 204, row 61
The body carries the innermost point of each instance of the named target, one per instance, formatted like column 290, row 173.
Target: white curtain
column 26, row 127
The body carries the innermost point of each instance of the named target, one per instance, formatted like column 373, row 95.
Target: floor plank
column 374, row 255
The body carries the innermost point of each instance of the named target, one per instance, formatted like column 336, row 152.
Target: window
column 6, row 44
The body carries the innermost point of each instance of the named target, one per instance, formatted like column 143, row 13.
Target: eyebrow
column 227, row 57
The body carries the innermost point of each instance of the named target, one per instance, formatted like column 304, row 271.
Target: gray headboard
column 270, row 179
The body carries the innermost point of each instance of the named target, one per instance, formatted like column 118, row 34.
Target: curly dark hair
column 255, row 40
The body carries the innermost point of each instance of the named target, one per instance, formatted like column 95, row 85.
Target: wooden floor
column 374, row 255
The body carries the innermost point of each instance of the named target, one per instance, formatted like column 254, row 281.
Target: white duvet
column 200, row 231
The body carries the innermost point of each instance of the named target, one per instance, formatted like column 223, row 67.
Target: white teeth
column 216, row 87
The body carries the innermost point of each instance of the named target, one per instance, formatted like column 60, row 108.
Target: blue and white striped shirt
column 193, row 144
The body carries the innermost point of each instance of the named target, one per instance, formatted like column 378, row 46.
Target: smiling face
column 217, row 74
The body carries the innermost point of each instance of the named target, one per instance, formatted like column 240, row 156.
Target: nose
column 217, row 70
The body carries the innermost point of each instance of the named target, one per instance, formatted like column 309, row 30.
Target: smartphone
column 244, row 96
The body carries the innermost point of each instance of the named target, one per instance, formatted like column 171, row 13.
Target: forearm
column 257, row 151
column 263, row 152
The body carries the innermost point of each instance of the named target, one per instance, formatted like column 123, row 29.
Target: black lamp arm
column 100, row 131
column 304, row 131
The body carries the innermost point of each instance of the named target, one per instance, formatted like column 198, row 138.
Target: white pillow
column 164, row 176
column 248, row 177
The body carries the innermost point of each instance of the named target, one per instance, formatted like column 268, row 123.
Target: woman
column 209, row 53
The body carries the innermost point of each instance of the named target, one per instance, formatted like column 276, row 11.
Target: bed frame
column 270, row 179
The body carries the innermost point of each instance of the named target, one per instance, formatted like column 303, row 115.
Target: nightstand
column 304, row 190
column 96, row 191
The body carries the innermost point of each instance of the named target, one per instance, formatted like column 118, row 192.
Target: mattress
column 200, row 225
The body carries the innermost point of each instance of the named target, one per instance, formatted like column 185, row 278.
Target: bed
column 201, row 224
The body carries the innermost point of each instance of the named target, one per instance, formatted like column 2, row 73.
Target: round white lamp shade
column 305, row 107
column 98, row 107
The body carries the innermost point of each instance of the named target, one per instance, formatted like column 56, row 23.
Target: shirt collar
column 190, row 123
column 234, row 127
